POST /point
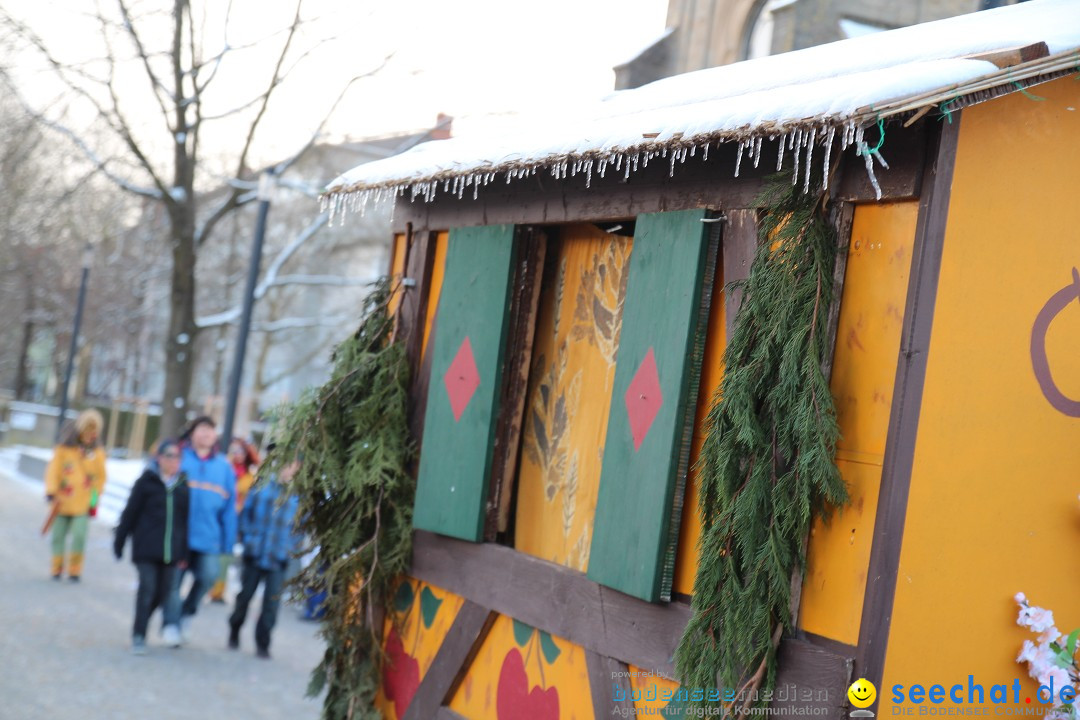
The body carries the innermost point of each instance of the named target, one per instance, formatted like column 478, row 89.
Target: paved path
column 65, row 652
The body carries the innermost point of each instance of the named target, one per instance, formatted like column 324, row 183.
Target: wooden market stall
column 566, row 312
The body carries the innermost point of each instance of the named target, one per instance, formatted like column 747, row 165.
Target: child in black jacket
column 156, row 518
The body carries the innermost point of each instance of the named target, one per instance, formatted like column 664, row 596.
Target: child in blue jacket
column 267, row 529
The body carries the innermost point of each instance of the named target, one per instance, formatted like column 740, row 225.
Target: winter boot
column 75, row 561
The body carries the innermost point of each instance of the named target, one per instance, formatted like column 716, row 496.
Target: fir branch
column 766, row 468
column 356, row 499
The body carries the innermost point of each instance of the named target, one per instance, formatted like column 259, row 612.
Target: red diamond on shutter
column 643, row 399
column 461, row 379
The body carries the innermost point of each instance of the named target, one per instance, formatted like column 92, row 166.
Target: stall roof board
column 818, row 100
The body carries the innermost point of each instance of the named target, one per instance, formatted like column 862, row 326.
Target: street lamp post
column 266, row 187
column 87, row 258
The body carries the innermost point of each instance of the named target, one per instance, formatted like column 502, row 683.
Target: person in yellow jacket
column 74, row 480
column 244, row 459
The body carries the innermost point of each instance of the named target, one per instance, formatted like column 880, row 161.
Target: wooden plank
column 523, row 308
column 554, row 598
column 904, row 422
column 1013, row 56
column 812, row 679
column 646, row 451
column 564, row 602
column 459, row 424
column 416, row 286
column 740, row 246
column 604, row 674
column 904, row 149
column 696, row 183
column 452, row 661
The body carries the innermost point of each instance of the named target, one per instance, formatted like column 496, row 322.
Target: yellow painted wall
column 522, row 673
column 411, row 638
column 993, row 504
column 864, row 371
column 566, row 409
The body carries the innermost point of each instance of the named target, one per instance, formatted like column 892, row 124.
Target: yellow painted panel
column 438, row 270
column 521, row 673
column 411, row 645
column 864, row 371
column 566, row 409
column 649, row 693
column 397, row 271
column 838, row 557
column 993, row 507
column 712, row 371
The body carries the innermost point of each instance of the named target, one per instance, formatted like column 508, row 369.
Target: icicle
column 780, row 153
column 797, row 149
column 828, row 154
column 693, row 149
column 603, row 167
column 757, row 151
column 588, row 174
column 618, row 162
column 671, row 164
column 738, row 157
column 705, row 154
column 809, row 159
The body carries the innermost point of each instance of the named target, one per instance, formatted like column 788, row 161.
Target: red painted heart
column 401, row 674
column 516, row 701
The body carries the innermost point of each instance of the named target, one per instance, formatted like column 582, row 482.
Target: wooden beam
column 525, row 299
column 554, row 598
column 697, row 183
column 613, row 626
column 455, row 655
column 904, row 421
column 739, row 248
column 416, row 287
column 905, row 151
column 445, row 713
column 811, row 677
column 604, row 674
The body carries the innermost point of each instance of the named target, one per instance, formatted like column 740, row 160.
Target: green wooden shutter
column 463, row 395
column 650, row 424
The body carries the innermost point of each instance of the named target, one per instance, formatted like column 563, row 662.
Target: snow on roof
column 810, row 99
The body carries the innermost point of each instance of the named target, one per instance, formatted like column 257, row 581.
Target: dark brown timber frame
column 907, row 402
column 615, row 629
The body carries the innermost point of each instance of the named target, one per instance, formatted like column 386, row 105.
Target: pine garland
column 356, row 499
column 766, row 467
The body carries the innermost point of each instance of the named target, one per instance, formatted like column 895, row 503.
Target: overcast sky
column 476, row 60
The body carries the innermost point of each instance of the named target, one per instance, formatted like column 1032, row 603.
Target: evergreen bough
column 356, row 498
column 766, row 467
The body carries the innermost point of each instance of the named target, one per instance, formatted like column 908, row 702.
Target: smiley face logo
column 862, row 693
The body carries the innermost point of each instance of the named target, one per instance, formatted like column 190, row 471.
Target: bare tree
column 179, row 64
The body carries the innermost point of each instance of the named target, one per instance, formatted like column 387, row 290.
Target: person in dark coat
column 156, row 519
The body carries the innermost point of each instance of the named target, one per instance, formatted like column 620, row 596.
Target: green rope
column 881, row 138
